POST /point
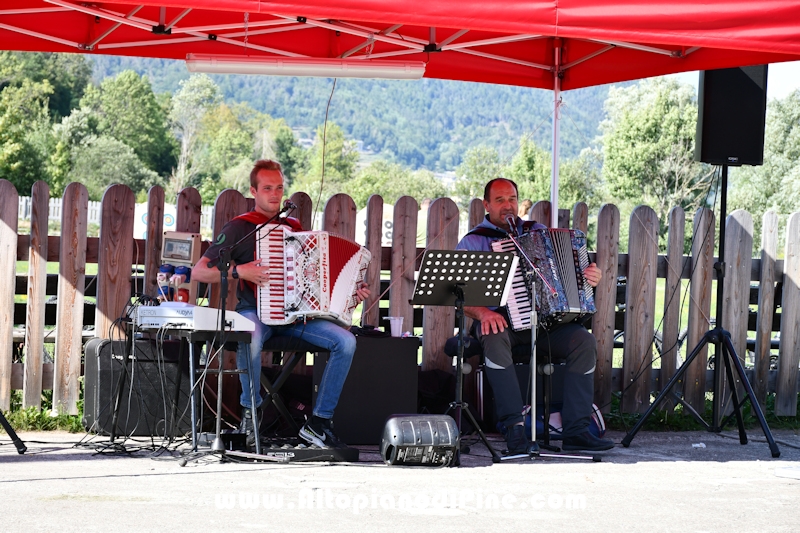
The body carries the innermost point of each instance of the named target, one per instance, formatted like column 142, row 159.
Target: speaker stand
column 726, row 358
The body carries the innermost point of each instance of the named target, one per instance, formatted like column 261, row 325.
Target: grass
column 33, row 419
column 52, row 268
column 680, row 420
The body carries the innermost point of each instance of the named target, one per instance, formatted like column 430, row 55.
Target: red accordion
column 312, row 274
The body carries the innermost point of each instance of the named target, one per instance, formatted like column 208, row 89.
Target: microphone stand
column 530, row 271
column 223, row 263
column 530, row 283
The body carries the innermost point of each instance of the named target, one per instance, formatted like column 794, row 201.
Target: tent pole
column 556, row 120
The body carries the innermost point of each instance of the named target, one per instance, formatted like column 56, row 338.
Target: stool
column 297, row 348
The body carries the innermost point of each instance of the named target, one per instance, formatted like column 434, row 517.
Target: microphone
column 512, row 224
column 288, row 205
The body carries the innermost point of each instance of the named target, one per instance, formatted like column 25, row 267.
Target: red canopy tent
column 511, row 42
column 551, row 44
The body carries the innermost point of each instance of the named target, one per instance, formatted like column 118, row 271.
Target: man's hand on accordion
column 362, row 292
column 254, row 272
column 593, row 274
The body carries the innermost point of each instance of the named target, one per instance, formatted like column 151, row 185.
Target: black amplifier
column 154, row 400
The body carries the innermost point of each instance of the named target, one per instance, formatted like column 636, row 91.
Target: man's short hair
column 487, row 191
column 263, row 164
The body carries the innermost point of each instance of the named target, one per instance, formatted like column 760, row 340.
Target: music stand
column 457, row 278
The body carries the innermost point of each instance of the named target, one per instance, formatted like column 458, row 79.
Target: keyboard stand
column 194, row 337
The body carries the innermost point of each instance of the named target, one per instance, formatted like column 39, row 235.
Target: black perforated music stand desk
column 458, row 278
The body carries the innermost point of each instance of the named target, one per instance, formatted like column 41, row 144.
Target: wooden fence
column 115, row 251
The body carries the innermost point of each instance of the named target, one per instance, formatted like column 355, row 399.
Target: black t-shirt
column 245, row 252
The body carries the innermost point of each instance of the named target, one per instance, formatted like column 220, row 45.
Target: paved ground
column 684, row 482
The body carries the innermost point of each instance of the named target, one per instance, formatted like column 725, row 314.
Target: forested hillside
column 420, row 124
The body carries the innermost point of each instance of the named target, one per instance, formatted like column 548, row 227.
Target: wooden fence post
column 188, row 209
column 580, row 217
column 404, row 255
column 672, row 300
column 789, row 354
column 640, row 309
column 340, row 216
column 9, row 207
column 115, row 258
column 71, row 284
column 155, row 239
column 476, row 213
column 476, row 216
column 304, row 211
column 540, row 212
column 736, row 295
column 563, row 218
column 437, row 321
column 699, row 306
column 371, row 307
column 605, row 297
column 37, row 287
column 766, row 305
column 230, row 203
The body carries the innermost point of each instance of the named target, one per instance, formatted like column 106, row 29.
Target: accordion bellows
column 313, row 274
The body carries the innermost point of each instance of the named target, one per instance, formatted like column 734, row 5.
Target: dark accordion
column 561, row 256
column 312, row 274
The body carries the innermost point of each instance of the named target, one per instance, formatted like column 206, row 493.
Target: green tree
column 236, row 177
column 102, row 161
column 71, row 132
column 287, row 152
column 530, row 170
column 340, row 158
column 392, row 181
column 24, row 121
column 67, row 74
column 195, row 98
column 648, row 147
column 481, row 164
column 775, row 185
column 128, row 111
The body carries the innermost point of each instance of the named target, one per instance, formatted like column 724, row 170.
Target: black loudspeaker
column 155, row 397
column 382, row 381
column 730, row 116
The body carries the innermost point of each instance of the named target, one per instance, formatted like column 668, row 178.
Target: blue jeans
column 338, row 341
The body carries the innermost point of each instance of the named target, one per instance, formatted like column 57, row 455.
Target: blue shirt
column 481, row 243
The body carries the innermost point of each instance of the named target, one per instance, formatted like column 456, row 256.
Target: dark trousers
column 567, row 343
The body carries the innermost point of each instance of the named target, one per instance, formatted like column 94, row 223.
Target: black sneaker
column 587, row 442
column 246, row 425
column 319, row 432
column 518, row 442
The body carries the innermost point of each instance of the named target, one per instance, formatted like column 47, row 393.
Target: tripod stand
column 726, row 358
